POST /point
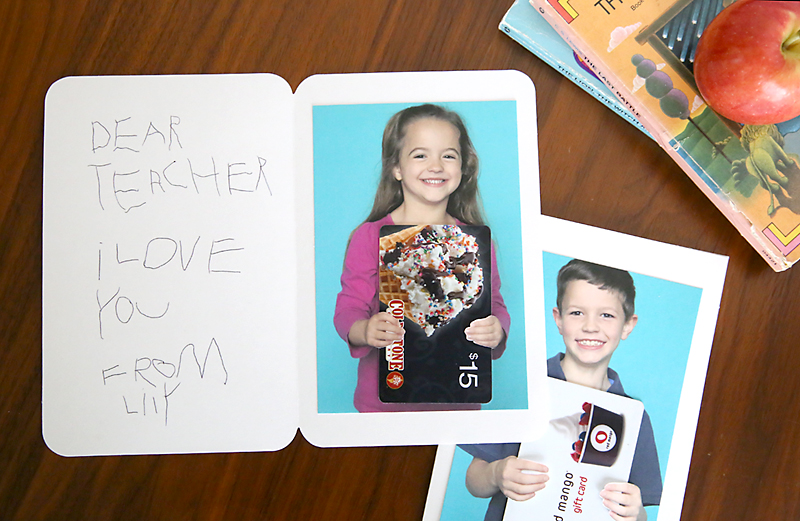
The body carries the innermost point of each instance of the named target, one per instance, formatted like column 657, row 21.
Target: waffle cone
column 391, row 289
column 404, row 236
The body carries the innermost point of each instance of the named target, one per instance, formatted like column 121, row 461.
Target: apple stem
column 792, row 43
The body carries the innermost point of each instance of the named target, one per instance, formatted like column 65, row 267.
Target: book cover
column 644, row 51
column 525, row 25
column 194, row 233
column 659, row 371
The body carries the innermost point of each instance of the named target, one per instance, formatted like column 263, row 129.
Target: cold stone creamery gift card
column 435, row 279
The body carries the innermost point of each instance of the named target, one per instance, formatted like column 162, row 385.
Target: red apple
column 747, row 64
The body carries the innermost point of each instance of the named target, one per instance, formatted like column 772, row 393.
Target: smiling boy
column 594, row 312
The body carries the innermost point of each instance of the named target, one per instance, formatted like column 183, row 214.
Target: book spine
column 568, row 72
column 724, row 204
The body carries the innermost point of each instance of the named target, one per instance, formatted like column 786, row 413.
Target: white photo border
column 421, row 428
column 674, row 263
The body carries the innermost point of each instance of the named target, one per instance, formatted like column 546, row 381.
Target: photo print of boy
column 594, row 311
column 662, row 354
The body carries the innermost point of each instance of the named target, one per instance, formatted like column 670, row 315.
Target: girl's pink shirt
column 358, row 300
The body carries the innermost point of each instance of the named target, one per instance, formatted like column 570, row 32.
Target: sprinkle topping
column 438, row 268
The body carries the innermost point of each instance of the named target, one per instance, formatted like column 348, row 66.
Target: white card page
column 163, row 212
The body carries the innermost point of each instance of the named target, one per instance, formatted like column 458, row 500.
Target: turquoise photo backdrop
column 651, row 364
column 347, row 165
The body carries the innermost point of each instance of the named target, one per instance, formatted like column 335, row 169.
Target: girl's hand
column 624, row 502
column 380, row 330
column 486, row 332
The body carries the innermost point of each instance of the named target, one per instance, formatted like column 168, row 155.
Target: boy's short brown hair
column 604, row 277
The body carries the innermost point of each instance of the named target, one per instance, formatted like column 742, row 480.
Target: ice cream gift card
column 589, row 442
column 435, row 279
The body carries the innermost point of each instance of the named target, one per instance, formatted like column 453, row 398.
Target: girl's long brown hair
column 464, row 204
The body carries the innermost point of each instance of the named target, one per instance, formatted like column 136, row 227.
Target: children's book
column 644, row 51
column 526, row 26
column 195, row 230
column 659, row 372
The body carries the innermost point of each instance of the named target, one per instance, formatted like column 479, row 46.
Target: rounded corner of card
column 54, row 443
column 55, row 90
column 278, row 81
column 524, row 80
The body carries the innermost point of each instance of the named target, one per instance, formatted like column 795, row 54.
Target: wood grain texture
column 595, row 169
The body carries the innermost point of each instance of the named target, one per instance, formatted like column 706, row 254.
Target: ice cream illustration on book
column 433, row 269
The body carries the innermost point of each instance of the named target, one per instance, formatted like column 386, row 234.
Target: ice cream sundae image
column 433, row 269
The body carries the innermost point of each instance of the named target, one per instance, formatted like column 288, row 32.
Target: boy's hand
column 486, row 332
column 624, row 501
column 519, row 479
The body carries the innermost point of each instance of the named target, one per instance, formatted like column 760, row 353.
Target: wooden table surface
column 595, row 169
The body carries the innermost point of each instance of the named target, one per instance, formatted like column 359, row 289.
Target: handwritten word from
column 157, row 379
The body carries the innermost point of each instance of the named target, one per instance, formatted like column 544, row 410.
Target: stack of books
column 618, row 51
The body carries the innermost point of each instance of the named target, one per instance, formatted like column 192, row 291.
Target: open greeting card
column 195, row 242
column 642, row 429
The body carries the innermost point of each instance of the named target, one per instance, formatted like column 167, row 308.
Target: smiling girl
column 429, row 176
